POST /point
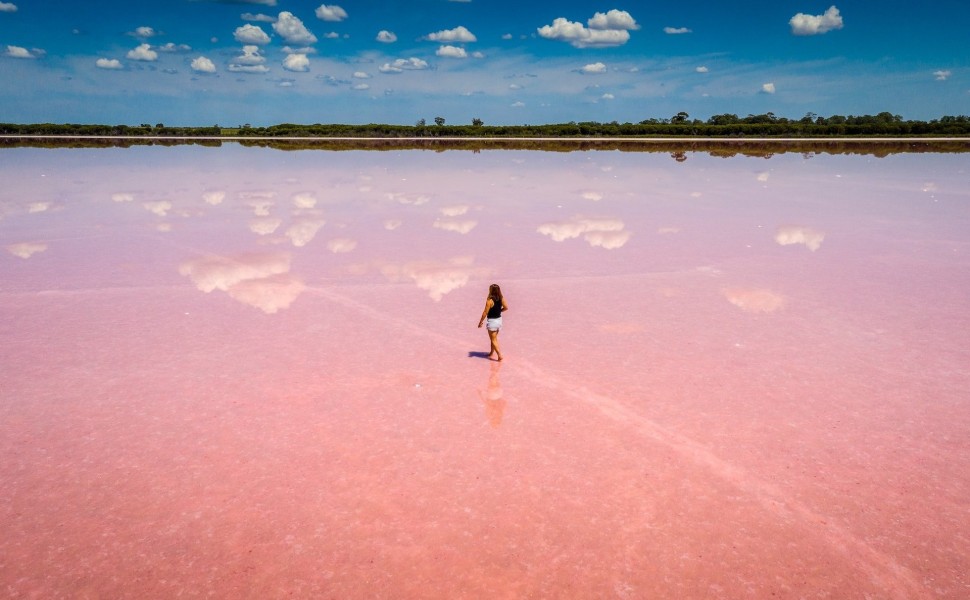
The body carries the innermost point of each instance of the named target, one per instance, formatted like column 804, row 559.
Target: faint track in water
column 896, row 580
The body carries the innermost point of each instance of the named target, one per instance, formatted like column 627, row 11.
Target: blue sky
column 205, row 62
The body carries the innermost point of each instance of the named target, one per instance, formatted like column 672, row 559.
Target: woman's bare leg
column 493, row 339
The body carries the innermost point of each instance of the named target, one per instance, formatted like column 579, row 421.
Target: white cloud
column 386, row 37
column 18, row 52
column 361, row 86
column 579, row 36
column 250, row 56
column 251, row 34
column 252, row 69
column 768, row 88
column 122, row 197
column 296, row 62
column 608, row 96
column 594, row 68
column 291, row 29
column 802, row 24
column 676, row 30
column 518, row 104
column 301, row 50
column 506, row 36
column 605, row 29
column 171, row 47
column 331, row 13
column 451, row 52
column 26, row 249
column 361, row 75
column 458, row 34
column 8, row 7
column 614, row 19
column 941, row 75
column 202, row 64
column 109, row 63
column 702, row 69
column 145, row 32
column 143, row 52
column 259, row 18
column 402, row 64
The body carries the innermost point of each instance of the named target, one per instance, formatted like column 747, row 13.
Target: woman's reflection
column 492, row 397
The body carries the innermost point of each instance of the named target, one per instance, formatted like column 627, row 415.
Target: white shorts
column 493, row 324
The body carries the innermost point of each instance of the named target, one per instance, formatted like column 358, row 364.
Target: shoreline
column 665, row 140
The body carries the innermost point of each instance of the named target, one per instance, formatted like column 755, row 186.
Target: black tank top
column 496, row 310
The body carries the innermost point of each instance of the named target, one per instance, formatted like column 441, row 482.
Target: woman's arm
column 488, row 305
column 505, row 306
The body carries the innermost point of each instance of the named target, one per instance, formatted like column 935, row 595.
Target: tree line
column 883, row 124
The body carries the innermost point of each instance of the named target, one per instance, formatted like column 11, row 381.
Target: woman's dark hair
column 495, row 293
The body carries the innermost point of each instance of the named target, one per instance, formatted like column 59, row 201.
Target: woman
column 494, row 306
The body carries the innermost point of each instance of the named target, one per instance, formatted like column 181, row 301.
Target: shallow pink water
column 251, row 373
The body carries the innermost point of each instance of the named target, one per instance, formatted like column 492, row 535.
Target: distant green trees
column 728, row 125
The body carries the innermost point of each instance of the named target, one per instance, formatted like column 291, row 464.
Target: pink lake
column 249, row 373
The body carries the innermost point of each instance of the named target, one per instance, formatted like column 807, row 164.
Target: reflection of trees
column 678, row 156
column 725, row 148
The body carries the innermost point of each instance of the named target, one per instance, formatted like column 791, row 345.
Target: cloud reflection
column 259, row 280
column 807, row 236
column 265, row 225
column 457, row 226
column 602, row 232
column 303, row 230
column 26, row 249
column 214, row 198
column 455, row 211
column 269, row 294
column 436, row 278
column 304, row 200
column 159, row 208
column 754, row 300
column 341, row 245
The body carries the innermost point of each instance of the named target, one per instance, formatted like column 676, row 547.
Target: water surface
column 244, row 372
